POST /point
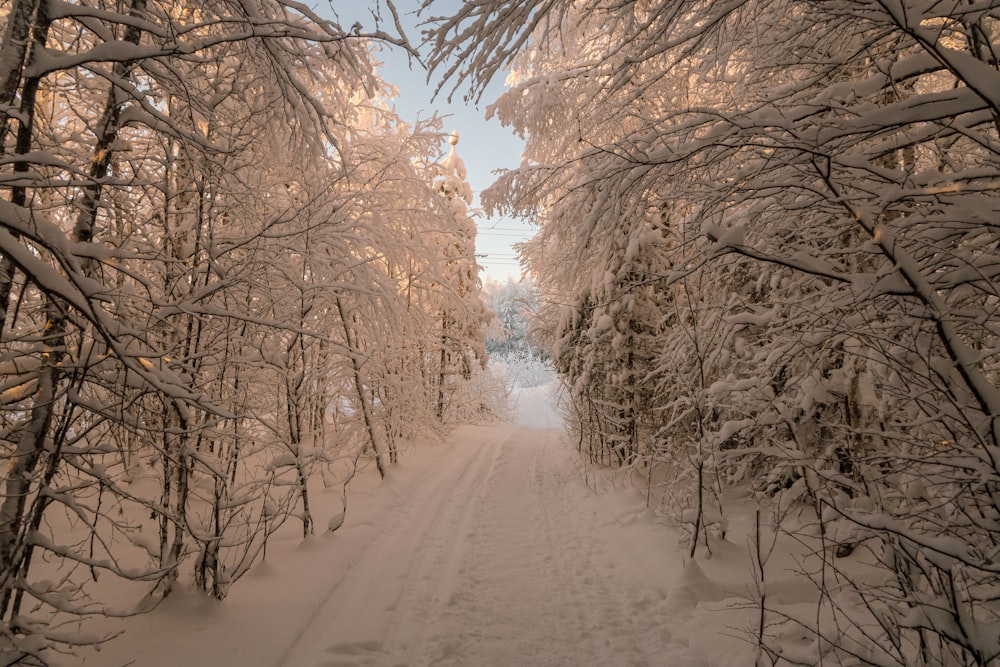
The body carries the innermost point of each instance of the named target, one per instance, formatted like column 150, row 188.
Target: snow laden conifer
column 461, row 350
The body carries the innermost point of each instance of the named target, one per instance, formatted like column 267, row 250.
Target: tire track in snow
column 356, row 617
column 495, row 561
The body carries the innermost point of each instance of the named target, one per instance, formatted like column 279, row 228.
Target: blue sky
column 483, row 145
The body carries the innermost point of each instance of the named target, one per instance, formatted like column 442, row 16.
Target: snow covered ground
column 488, row 549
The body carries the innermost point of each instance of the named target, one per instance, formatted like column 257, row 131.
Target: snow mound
column 694, row 587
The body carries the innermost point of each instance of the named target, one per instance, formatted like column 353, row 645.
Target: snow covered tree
column 513, row 304
column 184, row 227
column 839, row 161
column 463, row 315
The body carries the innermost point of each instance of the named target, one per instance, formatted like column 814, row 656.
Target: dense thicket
column 225, row 267
column 513, row 304
column 781, row 223
column 514, row 353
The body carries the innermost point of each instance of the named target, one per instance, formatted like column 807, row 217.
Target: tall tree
column 463, row 316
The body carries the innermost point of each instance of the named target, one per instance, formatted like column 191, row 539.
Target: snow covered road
column 492, row 563
column 487, row 550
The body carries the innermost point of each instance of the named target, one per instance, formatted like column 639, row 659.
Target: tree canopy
column 223, row 266
column 780, row 218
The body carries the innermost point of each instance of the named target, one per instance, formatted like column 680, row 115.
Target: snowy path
column 488, row 550
column 500, row 568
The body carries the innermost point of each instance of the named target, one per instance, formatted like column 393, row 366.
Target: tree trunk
column 359, row 385
column 106, row 130
column 33, row 440
column 442, row 367
column 25, row 129
column 12, row 54
column 32, row 436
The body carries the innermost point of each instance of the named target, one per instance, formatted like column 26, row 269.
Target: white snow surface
column 489, row 549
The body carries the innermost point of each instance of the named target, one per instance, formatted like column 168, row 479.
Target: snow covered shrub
column 483, row 397
column 522, row 371
column 509, row 336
